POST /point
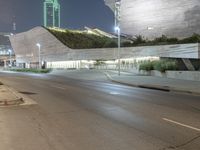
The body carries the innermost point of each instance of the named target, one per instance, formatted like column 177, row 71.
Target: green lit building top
column 51, row 13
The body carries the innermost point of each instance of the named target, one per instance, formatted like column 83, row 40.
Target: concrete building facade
column 153, row 18
column 6, row 52
column 53, row 51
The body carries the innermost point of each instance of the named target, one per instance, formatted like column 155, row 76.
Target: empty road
column 74, row 114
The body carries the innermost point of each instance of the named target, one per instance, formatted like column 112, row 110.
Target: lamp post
column 39, row 46
column 119, row 46
column 10, row 51
column 117, row 29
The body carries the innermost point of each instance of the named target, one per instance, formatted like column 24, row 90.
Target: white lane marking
column 181, row 124
column 114, row 93
column 58, row 87
column 108, row 75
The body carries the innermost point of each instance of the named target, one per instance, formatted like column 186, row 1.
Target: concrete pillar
column 5, row 65
column 188, row 64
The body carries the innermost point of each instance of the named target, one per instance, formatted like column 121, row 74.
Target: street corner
column 10, row 97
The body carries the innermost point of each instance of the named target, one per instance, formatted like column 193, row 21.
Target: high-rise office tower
column 51, row 13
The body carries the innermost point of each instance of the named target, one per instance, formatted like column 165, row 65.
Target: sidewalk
column 151, row 82
column 132, row 79
column 8, row 97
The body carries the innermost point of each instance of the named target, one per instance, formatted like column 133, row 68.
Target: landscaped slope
column 82, row 39
column 76, row 39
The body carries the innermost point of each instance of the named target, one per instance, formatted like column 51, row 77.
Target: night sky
column 75, row 14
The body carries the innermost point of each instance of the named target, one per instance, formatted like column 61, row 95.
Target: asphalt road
column 77, row 114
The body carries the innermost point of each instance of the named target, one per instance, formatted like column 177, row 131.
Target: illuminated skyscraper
column 51, row 13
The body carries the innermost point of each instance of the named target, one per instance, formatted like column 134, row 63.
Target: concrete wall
column 174, row 18
column 183, row 75
column 24, row 45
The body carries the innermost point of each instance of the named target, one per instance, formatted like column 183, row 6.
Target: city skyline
column 73, row 16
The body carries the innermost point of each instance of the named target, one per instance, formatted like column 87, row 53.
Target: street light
column 39, row 46
column 117, row 28
column 10, row 51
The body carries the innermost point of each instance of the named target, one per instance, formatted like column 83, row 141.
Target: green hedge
column 160, row 65
column 32, row 70
column 146, row 65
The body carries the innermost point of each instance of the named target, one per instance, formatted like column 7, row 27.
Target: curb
column 153, row 87
column 21, row 100
column 17, row 101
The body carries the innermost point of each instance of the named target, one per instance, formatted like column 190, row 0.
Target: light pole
column 10, row 51
column 39, row 46
column 117, row 29
column 119, row 47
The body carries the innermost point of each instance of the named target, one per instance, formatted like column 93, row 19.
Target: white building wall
column 52, row 50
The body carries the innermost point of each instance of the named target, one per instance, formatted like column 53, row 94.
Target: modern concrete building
column 51, row 13
column 55, row 54
column 153, row 18
column 5, row 49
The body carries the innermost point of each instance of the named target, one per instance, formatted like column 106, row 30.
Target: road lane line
column 58, row 87
column 108, row 75
column 114, row 93
column 181, row 124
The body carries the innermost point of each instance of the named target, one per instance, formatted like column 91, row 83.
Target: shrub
column 32, row 70
column 160, row 65
column 126, row 44
column 139, row 40
column 161, row 39
column 146, row 65
column 195, row 38
column 110, row 44
column 99, row 63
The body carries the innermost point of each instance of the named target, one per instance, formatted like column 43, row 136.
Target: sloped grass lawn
column 81, row 40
